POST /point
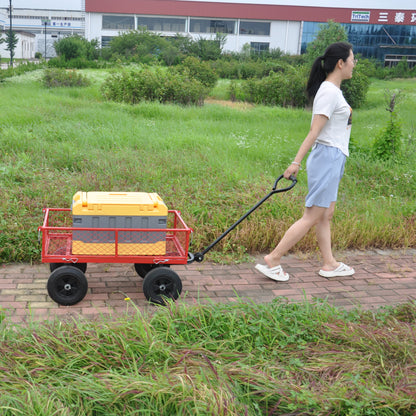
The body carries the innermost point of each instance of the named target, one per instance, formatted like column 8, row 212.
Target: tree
column 11, row 41
column 354, row 89
column 139, row 45
column 329, row 32
column 207, row 49
column 76, row 46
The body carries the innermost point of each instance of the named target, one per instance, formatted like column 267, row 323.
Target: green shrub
column 139, row 46
column 200, row 70
column 180, row 89
column 148, row 85
column 388, row 143
column 76, row 46
column 355, row 89
column 401, row 70
column 75, row 63
column 55, row 77
column 249, row 68
column 284, row 89
column 132, row 86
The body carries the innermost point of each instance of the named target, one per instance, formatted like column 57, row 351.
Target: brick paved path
column 382, row 278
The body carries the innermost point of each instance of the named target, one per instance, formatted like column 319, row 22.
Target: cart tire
column 67, row 285
column 142, row 269
column 80, row 266
column 160, row 284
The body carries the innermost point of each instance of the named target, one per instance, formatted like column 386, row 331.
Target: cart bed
column 57, row 232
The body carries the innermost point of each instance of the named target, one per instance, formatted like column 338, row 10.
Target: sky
column 359, row 4
column 43, row 4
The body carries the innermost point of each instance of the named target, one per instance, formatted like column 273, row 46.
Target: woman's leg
column 311, row 216
column 323, row 235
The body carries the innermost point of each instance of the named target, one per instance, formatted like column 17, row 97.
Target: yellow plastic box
column 120, row 210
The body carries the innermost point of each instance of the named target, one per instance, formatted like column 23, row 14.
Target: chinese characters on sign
column 405, row 17
column 61, row 24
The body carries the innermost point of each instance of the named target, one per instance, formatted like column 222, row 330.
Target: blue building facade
column 386, row 43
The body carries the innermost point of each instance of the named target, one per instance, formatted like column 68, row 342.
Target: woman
column 328, row 137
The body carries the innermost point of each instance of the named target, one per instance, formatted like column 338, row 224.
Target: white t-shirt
column 330, row 102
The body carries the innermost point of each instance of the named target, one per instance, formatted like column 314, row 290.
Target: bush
column 249, row 68
column 199, row 70
column 401, row 70
column 355, row 89
column 147, row 85
column 137, row 46
column 285, row 89
column 206, row 49
column 55, row 77
column 77, row 63
column 75, row 46
column 388, row 143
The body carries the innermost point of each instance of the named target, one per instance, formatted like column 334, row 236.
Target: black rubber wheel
column 80, row 266
column 160, row 284
column 67, row 285
column 142, row 269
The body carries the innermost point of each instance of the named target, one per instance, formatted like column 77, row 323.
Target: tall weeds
column 236, row 359
column 213, row 163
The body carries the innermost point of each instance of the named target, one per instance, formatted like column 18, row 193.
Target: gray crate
column 124, row 237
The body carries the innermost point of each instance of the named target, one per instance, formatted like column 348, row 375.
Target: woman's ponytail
column 325, row 64
column 316, row 77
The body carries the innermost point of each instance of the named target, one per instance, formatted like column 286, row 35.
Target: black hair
column 325, row 64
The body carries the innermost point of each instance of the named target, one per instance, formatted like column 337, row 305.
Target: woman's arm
column 318, row 123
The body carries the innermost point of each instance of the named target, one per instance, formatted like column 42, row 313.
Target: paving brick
column 382, row 278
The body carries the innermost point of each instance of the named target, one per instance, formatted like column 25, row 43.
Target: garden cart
column 62, row 237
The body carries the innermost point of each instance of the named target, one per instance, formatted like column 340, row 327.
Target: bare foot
column 270, row 261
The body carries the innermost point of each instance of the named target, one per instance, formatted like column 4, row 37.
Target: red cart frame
column 68, row 284
column 57, row 241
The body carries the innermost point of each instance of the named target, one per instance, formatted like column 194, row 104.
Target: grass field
column 212, row 162
column 226, row 360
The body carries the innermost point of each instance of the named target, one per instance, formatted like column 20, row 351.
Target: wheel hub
column 162, row 287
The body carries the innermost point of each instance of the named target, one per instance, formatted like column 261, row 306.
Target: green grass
column 236, row 359
column 212, row 163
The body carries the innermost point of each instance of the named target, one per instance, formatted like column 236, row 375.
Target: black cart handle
column 288, row 188
column 200, row 256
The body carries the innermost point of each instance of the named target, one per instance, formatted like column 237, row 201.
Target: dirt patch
column 232, row 104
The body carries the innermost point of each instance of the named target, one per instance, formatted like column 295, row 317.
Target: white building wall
column 25, row 48
column 60, row 23
column 285, row 35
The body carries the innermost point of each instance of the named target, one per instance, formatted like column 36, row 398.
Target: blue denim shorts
column 325, row 167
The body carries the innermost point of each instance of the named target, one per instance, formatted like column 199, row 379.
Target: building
column 375, row 27
column 47, row 25
column 25, row 47
column 386, row 34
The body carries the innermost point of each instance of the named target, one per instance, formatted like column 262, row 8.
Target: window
column 259, row 47
column 162, row 24
column 105, row 41
column 118, row 22
column 393, row 60
column 370, row 40
column 254, row 28
column 212, row 26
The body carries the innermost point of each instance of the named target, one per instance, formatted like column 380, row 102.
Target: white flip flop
column 274, row 273
column 341, row 270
